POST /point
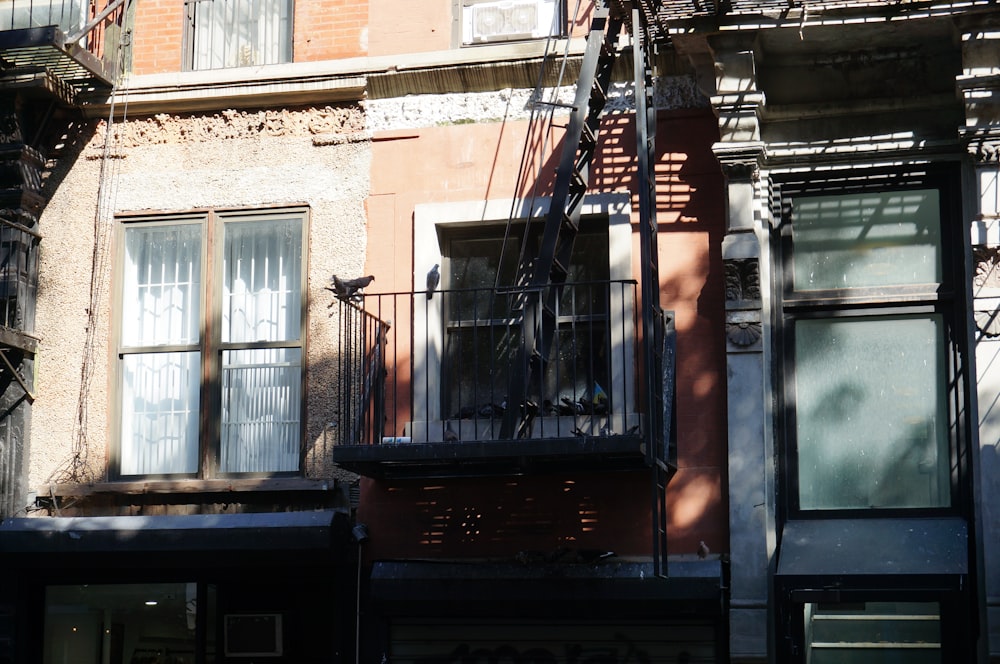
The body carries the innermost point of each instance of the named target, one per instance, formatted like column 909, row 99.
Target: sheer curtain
column 240, row 33
column 160, row 387
column 261, row 387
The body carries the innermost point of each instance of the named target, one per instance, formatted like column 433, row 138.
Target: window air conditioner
column 507, row 20
column 253, row 635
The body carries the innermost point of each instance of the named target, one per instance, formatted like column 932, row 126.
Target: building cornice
column 482, row 68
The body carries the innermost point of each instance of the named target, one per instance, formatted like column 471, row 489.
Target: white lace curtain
column 162, row 364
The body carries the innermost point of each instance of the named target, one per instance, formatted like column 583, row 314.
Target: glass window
column 167, row 360
column 871, row 417
column 239, row 33
column 866, row 240
column 69, row 15
column 480, row 342
column 121, row 624
column 869, row 323
column 873, row 633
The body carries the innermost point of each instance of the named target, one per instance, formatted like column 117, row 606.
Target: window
column 872, row 632
column 234, row 349
column 873, row 343
column 479, row 339
column 137, row 623
column 462, row 361
column 69, row 15
column 238, row 33
column 485, row 21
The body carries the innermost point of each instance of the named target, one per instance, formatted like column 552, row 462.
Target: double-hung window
column 210, row 344
column 238, row 33
column 873, row 342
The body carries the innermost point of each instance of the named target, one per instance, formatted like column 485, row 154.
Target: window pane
column 162, row 285
column 262, row 264
column 865, row 240
column 69, row 15
column 261, row 397
column 131, row 623
column 241, row 33
column 160, row 413
column 873, row 633
column 478, row 351
column 870, row 412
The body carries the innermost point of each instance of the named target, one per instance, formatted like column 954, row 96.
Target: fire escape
column 52, row 55
column 536, row 301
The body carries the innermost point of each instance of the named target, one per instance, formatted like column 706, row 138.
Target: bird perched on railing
column 349, row 289
column 433, row 279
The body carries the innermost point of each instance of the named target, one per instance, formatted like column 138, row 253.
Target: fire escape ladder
column 658, row 337
column 539, row 282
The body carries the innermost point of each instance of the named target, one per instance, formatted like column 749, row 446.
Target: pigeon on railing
column 433, row 279
column 349, row 289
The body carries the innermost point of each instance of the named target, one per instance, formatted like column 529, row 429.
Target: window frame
column 945, row 299
column 431, row 221
column 597, row 319
column 212, row 222
column 189, row 43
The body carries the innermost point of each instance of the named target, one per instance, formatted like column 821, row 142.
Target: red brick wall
column 156, row 41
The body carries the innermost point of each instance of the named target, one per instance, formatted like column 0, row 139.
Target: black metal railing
column 18, row 275
column 415, row 368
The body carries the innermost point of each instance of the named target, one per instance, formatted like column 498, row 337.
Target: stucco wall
column 235, row 159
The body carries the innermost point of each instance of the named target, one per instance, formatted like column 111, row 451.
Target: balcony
column 423, row 381
column 69, row 47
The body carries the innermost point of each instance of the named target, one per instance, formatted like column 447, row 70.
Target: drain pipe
column 360, row 533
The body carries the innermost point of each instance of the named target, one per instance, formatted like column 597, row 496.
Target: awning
column 881, row 547
column 198, row 532
column 421, row 588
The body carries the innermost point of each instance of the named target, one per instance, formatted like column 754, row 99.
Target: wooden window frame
column 209, row 344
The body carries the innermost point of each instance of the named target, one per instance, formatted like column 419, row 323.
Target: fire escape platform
column 494, row 457
column 32, row 57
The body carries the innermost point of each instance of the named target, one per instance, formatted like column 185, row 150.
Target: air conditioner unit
column 252, row 635
column 505, row 20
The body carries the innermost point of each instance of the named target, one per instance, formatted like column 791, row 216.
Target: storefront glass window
column 120, row 624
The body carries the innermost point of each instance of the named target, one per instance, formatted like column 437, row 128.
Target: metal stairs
column 539, row 281
column 540, row 278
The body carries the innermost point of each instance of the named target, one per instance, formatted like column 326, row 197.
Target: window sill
column 188, row 486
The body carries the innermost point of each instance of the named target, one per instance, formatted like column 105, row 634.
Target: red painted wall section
column 404, row 26
column 330, row 29
column 502, row 516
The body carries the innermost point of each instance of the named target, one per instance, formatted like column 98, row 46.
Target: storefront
column 178, row 589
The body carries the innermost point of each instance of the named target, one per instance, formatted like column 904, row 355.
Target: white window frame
column 429, row 219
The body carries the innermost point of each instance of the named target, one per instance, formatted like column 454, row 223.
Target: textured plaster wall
column 315, row 157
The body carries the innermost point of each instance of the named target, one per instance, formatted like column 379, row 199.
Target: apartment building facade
column 694, row 365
